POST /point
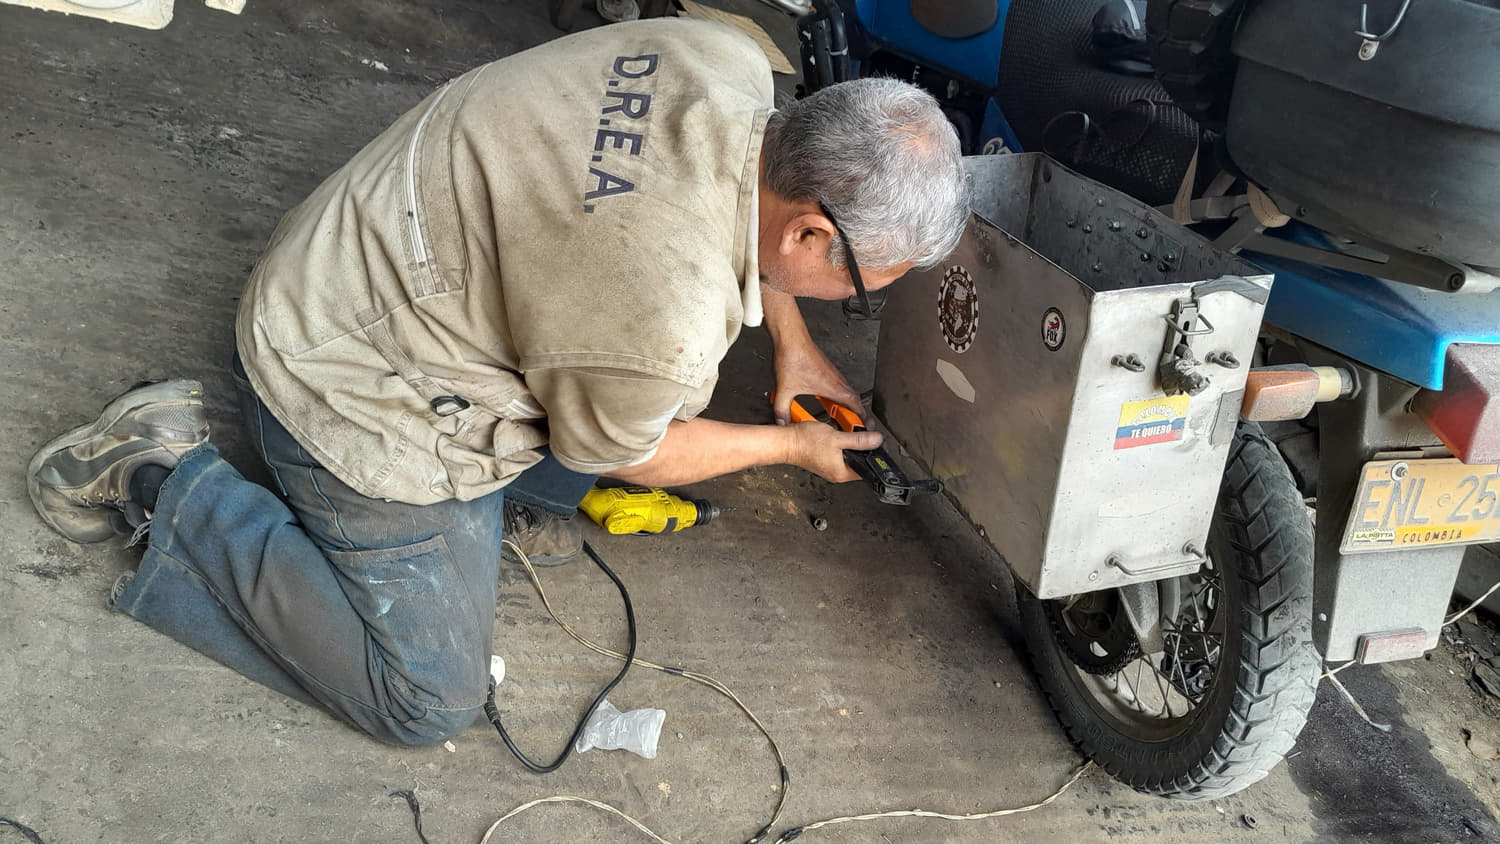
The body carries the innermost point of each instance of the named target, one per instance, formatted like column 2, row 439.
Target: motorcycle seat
column 1062, row 99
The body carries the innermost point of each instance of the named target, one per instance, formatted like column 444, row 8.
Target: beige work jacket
column 558, row 247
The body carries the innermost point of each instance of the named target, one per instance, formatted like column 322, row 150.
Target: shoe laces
column 520, row 519
column 139, row 534
column 140, row 518
column 120, row 585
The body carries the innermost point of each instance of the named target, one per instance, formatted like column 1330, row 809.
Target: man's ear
column 807, row 229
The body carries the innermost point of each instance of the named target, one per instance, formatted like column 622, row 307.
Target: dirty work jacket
column 558, row 247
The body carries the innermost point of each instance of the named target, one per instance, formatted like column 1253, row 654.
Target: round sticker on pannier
column 1054, row 329
column 958, row 309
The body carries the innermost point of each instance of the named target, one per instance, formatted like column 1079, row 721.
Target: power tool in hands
column 876, row 466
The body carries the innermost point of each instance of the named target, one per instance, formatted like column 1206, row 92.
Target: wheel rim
column 1151, row 696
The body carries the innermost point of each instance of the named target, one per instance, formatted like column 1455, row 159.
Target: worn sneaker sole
column 92, row 524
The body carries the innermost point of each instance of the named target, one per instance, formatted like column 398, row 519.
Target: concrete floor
column 141, row 172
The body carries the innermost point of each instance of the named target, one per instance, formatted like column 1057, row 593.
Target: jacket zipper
column 419, row 247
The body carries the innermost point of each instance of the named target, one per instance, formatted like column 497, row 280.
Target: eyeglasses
column 859, row 282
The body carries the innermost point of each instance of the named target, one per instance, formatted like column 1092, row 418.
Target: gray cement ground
column 141, row 172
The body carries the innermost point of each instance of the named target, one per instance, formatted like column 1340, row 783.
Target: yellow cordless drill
column 639, row 509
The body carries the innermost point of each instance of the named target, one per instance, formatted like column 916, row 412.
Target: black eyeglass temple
column 859, row 282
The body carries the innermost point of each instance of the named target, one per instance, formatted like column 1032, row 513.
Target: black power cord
column 25, row 830
column 493, row 713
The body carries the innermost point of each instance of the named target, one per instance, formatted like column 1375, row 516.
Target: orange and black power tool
column 875, row 465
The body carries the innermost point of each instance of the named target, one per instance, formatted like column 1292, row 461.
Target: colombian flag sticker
column 1151, row 421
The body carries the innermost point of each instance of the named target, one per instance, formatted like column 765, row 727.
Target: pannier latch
column 1178, row 370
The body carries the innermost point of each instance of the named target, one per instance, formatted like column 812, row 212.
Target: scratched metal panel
column 995, row 372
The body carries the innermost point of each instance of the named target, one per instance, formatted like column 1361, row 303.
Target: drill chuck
column 706, row 511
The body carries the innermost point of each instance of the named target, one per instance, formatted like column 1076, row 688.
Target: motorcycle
column 1207, row 485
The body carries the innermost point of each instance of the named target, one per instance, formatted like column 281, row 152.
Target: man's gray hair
column 884, row 161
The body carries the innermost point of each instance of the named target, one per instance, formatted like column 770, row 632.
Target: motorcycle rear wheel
column 1222, row 702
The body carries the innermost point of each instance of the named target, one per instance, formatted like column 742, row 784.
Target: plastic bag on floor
column 610, row 729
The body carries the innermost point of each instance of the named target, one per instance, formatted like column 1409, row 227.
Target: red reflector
column 1465, row 414
column 1391, row 646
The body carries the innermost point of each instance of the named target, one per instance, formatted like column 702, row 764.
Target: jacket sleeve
column 602, row 419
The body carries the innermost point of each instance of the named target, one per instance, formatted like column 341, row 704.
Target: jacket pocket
column 487, row 427
column 438, row 259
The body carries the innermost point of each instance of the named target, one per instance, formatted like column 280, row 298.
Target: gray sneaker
column 547, row 538
column 79, row 482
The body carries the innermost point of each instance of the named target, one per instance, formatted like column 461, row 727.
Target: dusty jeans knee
column 382, row 612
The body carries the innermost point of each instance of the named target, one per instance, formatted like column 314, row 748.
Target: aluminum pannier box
column 1073, row 374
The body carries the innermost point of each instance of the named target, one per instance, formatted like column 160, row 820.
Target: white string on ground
column 568, row 798
column 1332, row 671
column 922, row 813
column 1359, row 710
column 1470, row 608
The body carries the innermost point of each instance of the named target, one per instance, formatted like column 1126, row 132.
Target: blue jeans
column 379, row 611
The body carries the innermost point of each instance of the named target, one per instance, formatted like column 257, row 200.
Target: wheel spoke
column 1136, row 686
column 1132, row 698
column 1177, row 665
column 1166, row 699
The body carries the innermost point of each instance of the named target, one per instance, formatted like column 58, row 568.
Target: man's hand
column 801, row 367
column 805, row 371
column 819, row 448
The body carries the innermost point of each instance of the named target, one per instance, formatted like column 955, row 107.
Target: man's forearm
column 783, row 319
column 704, row 448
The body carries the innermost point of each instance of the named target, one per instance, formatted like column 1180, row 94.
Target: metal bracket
column 1257, row 293
column 1406, row 267
column 1195, row 560
column 1370, row 43
column 1142, row 605
column 1245, row 226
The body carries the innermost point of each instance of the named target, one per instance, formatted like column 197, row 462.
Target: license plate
column 1423, row 504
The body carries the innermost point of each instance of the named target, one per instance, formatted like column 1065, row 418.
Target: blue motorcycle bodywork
column 1396, row 328
column 976, row 60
